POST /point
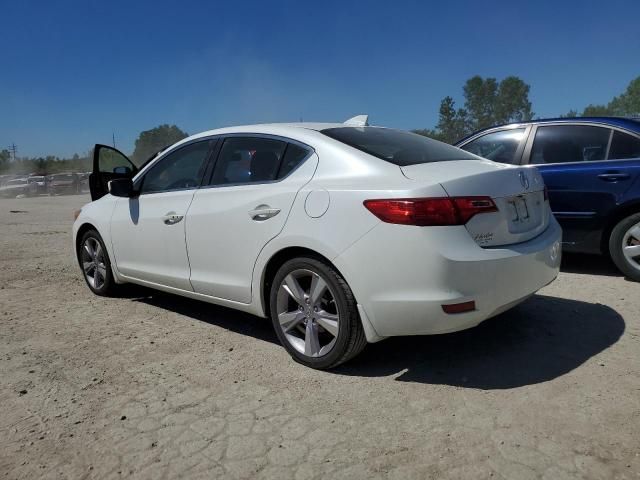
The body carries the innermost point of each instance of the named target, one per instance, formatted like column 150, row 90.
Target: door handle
column 613, row 176
column 172, row 218
column 263, row 212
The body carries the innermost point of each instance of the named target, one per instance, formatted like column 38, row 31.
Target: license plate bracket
column 520, row 210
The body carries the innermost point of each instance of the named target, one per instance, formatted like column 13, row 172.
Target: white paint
column 400, row 275
column 317, row 203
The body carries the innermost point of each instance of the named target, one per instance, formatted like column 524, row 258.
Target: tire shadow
column 537, row 341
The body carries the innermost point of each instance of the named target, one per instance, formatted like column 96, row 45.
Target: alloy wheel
column 307, row 313
column 631, row 246
column 93, row 263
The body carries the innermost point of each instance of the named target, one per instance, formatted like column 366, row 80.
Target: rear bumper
column 402, row 276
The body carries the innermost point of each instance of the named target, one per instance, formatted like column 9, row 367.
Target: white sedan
column 342, row 234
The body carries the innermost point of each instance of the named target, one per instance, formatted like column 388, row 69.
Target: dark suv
column 591, row 167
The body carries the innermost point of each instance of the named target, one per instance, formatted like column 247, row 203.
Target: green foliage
column 5, row 156
column 625, row 105
column 487, row 102
column 452, row 123
column 46, row 165
column 151, row 141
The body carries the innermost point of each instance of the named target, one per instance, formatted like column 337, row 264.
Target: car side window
column 293, row 156
column 497, row 146
column 569, row 143
column 180, row 170
column 624, row 146
column 248, row 160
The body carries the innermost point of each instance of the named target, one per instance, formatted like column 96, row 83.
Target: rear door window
column 256, row 160
column 624, row 146
column 294, row 156
column 569, row 143
column 499, row 146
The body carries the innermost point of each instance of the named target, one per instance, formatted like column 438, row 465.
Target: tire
column 320, row 326
column 99, row 264
column 624, row 235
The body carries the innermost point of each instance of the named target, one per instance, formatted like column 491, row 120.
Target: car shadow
column 537, row 341
column 227, row 318
column 589, row 264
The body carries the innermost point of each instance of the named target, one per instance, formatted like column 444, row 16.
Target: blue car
column 591, row 167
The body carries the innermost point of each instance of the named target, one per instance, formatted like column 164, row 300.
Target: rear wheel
column 315, row 314
column 95, row 264
column 624, row 246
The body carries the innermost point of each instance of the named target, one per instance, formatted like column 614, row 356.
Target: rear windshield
column 398, row 147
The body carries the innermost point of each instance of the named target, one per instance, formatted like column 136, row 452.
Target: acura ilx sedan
column 342, row 234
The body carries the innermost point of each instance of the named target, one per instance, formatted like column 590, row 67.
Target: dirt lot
column 155, row 386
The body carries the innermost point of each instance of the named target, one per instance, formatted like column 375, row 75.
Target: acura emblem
column 524, row 180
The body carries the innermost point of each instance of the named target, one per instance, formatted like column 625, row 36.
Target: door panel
column 227, row 227
column 147, row 233
column 584, row 190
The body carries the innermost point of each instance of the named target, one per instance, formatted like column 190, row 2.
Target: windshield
column 396, row 146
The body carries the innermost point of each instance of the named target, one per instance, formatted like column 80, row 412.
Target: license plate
column 519, row 210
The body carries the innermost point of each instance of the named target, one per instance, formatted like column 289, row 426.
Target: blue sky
column 76, row 71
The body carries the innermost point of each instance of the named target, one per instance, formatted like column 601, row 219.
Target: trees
column 487, row 102
column 150, row 141
column 5, row 156
column 626, row 104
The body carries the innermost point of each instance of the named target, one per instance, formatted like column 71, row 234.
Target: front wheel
column 624, row 246
column 315, row 314
column 96, row 266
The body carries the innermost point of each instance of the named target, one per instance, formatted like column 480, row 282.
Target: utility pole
column 13, row 148
column 113, row 139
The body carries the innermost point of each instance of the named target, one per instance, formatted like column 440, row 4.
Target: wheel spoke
column 318, row 287
column 293, row 288
column 88, row 248
column 631, row 251
column 311, row 340
column 98, row 250
column 102, row 270
column 635, row 232
column 328, row 321
column 87, row 266
column 289, row 320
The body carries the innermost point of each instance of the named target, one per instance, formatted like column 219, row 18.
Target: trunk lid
column 518, row 193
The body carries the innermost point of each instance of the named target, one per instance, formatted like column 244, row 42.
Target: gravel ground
column 156, row 386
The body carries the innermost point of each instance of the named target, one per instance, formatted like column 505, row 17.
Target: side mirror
column 121, row 187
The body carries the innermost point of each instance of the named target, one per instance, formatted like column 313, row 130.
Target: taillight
column 430, row 211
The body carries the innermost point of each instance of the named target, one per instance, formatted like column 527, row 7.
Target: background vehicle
column 591, row 167
column 18, row 186
column 63, row 183
column 341, row 233
column 40, row 183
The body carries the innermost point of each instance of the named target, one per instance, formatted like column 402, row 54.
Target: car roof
column 305, row 132
column 628, row 123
